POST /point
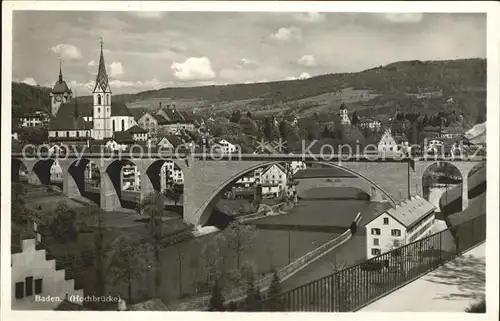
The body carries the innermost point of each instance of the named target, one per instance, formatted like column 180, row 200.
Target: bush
column 62, row 226
column 216, row 300
column 85, row 229
column 478, row 307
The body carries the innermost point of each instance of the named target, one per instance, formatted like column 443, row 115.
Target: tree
column 355, row 119
column 62, row 226
column 100, row 250
column 174, row 192
column 240, row 237
column 235, row 117
column 284, row 129
column 128, row 260
column 253, row 297
column 326, row 132
column 212, row 261
column 274, row 302
column 216, row 300
column 153, row 206
column 268, row 129
column 249, row 126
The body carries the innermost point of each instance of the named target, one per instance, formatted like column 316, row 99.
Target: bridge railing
column 357, row 286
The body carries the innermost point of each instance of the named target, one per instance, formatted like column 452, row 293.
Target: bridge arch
column 38, row 171
column 125, row 178
column 19, row 171
column 167, row 177
column 442, row 185
column 83, row 178
column 205, row 210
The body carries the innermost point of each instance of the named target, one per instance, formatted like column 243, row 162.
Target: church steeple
column 60, row 71
column 102, row 82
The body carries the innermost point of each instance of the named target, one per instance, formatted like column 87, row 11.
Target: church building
column 80, row 120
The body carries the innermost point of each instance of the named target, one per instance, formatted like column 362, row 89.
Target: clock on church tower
column 58, row 98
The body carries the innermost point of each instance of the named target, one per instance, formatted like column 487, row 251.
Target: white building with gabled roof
column 408, row 222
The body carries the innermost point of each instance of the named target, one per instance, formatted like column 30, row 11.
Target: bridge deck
column 450, row 288
column 151, row 154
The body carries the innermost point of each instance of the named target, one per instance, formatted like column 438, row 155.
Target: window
column 77, row 134
column 98, row 111
column 87, row 134
column 375, row 251
column 57, row 134
column 29, row 285
column 114, row 125
column 395, row 232
column 375, row 242
column 386, row 220
column 98, row 100
column 19, row 290
column 123, row 125
column 67, row 134
column 375, row 231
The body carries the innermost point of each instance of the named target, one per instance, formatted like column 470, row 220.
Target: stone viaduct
column 206, row 178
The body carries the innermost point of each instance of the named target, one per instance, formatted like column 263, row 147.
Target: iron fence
column 354, row 287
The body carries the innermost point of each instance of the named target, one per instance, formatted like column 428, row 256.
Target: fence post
column 440, row 247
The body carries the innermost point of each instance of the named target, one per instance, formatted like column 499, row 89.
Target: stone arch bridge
column 206, row 178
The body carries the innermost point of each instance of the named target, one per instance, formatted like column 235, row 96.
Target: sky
column 147, row 50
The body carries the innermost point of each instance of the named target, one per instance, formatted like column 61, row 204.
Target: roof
column 150, row 305
column 85, row 108
column 136, row 130
column 70, row 117
column 411, row 211
column 101, row 80
column 118, row 108
column 123, row 137
column 322, row 173
column 138, row 112
column 60, row 88
column 174, row 140
column 277, row 165
column 172, row 114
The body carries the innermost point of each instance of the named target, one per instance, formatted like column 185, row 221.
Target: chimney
column 122, row 305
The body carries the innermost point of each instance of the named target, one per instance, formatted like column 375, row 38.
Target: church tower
column 60, row 93
column 102, row 103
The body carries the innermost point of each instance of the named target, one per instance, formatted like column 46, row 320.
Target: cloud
column 30, row 81
column 403, row 17
column 115, row 69
column 193, row 68
column 66, row 51
column 310, row 17
column 92, row 63
column 307, row 60
column 303, row 75
column 248, row 62
column 287, row 34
